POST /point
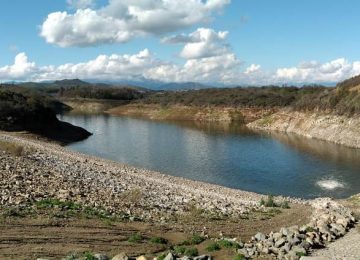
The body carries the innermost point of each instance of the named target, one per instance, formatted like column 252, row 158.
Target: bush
column 158, row 240
column 179, row 249
column 213, row 247
column 228, row 244
column 285, row 204
column 135, row 238
column 192, row 251
column 194, row 240
column 269, row 202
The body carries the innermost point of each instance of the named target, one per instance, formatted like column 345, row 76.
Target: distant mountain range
column 151, row 85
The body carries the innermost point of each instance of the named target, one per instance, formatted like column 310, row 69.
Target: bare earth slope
column 338, row 129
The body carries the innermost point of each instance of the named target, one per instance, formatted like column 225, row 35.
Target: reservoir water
column 231, row 156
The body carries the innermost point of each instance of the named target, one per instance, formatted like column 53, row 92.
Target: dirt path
column 347, row 247
column 53, row 238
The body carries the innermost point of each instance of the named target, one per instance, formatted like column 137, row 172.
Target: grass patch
column 180, row 250
column 285, row 204
column 194, row 240
column 18, row 212
column 213, row 247
column 266, row 121
column 12, row 148
column 136, row 238
column 192, row 251
column 268, row 202
column 158, row 240
column 55, row 203
column 161, row 257
column 89, row 255
column 239, row 257
column 228, row 244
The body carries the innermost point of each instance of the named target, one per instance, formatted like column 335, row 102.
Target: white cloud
column 332, row 71
column 252, row 69
column 122, row 20
column 225, row 69
column 80, row 4
column 202, row 43
column 21, row 69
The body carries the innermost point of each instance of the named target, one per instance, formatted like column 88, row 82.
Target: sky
column 227, row 42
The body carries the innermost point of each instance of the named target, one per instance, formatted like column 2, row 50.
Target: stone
column 280, row 242
column 285, row 231
column 169, row 257
column 277, row 236
column 101, row 257
column 298, row 249
column 121, row 256
column 142, row 257
column 202, row 257
column 260, row 237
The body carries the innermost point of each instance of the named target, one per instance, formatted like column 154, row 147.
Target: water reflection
column 224, row 154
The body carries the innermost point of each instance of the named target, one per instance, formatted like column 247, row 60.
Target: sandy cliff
column 334, row 128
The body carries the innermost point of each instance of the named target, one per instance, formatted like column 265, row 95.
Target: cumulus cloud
column 225, row 69
column 202, row 43
column 313, row 71
column 252, row 69
column 21, row 69
column 122, row 20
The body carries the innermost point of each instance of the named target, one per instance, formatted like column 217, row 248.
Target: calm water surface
column 230, row 156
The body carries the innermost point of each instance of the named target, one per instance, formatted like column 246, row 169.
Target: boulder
column 121, row 256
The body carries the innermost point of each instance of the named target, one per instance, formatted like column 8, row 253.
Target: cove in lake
column 231, row 156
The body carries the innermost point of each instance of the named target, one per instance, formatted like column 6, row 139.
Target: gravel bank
column 50, row 170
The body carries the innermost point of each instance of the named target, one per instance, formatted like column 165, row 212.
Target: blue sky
column 266, row 41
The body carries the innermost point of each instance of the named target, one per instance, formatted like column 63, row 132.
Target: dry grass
column 132, row 197
column 12, row 148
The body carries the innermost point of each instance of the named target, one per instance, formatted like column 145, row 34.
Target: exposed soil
column 51, row 237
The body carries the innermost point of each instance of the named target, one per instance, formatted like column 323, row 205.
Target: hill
column 27, row 110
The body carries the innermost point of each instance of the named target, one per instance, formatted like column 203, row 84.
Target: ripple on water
column 330, row 184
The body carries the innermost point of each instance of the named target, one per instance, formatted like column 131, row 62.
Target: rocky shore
column 48, row 170
column 53, row 171
column 341, row 130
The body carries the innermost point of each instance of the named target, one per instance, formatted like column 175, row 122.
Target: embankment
column 329, row 127
column 91, row 106
column 192, row 113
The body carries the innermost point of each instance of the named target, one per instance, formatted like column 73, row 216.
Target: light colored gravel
column 347, row 247
column 50, row 170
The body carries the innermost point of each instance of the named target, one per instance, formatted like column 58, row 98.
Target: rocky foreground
column 50, row 171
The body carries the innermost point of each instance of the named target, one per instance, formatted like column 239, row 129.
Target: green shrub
column 192, row 251
column 135, row 238
column 213, row 247
column 158, row 240
column 194, row 240
column 269, row 202
column 89, row 255
column 285, row 204
column 161, row 257
column 228, row 244
column 179, row 249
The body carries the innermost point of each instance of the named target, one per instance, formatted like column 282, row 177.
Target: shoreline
column 52, row 171
column 214, row 196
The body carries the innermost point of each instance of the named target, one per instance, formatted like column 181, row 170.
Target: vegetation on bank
column 342, row 100
column 24, row 109
column 263, row 97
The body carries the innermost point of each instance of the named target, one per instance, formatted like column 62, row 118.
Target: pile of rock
column 330, row 221
column 123, row 256
column 51, row 171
